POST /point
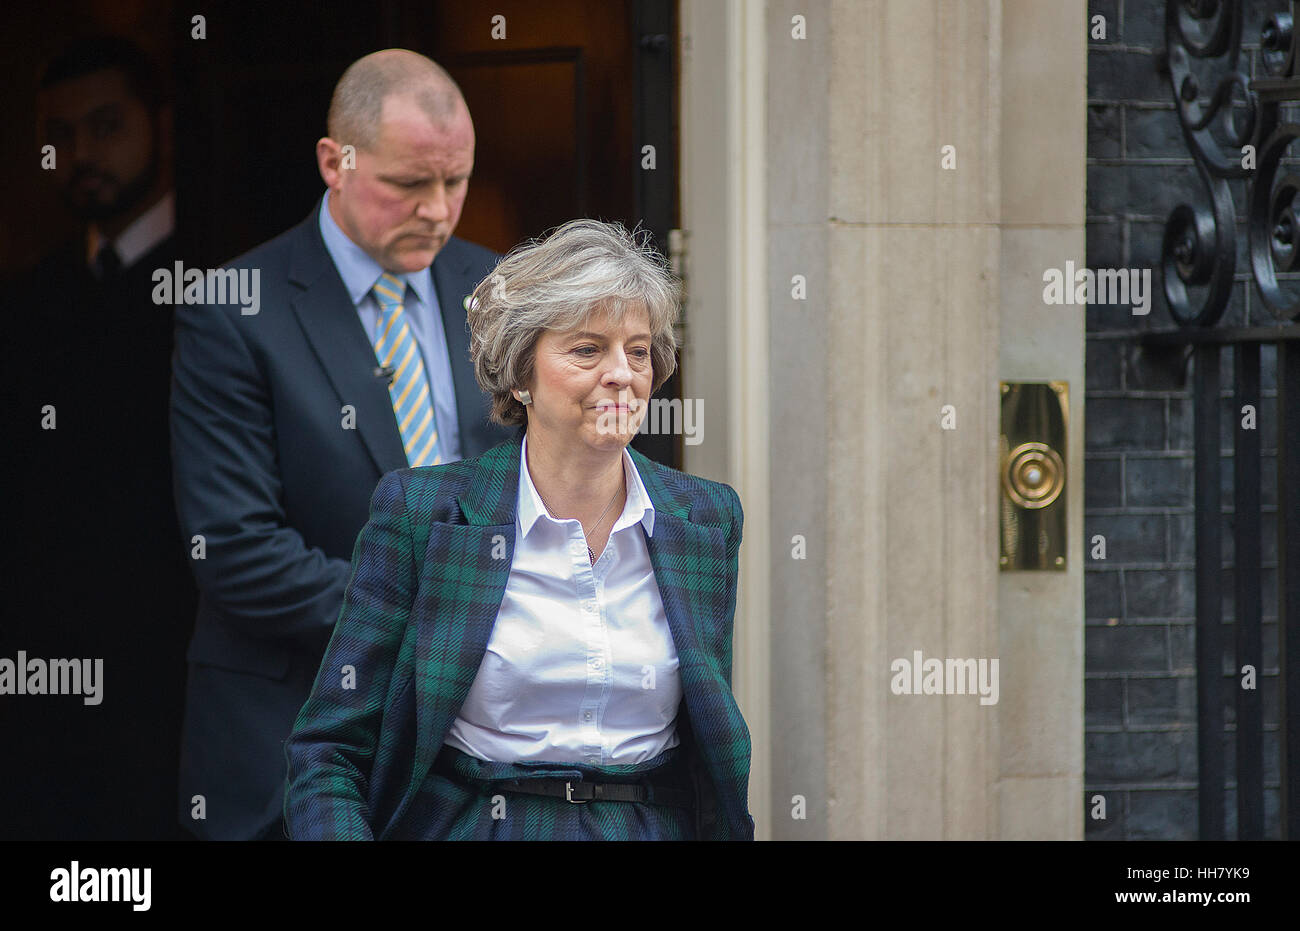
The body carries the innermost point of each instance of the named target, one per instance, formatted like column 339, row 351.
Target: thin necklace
column 600, row 520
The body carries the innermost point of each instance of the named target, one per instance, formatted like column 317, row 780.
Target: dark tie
column 107, row 264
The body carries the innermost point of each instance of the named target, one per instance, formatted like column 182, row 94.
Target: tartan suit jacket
column 429, row 572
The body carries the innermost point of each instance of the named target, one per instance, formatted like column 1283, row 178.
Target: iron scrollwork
column 1199, row 246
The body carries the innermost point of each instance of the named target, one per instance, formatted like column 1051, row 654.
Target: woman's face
column 591, row 384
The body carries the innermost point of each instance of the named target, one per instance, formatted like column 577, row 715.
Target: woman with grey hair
column 536, row 644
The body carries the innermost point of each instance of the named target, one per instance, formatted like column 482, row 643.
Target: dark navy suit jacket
column 271, row 474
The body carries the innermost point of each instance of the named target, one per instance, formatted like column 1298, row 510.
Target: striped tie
column 395, row 347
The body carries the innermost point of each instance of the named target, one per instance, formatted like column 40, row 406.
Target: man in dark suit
column 92, row 348
column 354, row 363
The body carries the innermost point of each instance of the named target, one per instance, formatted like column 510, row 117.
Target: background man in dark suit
column 283, row 421
column 94, row 505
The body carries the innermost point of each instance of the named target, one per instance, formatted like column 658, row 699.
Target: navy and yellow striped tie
column 395, row 347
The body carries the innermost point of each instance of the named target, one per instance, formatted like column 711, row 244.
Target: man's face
column 403, row 200
column 104, row 143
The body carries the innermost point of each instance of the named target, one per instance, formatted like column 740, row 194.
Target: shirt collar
column 638, row 506
column 145, row 232
column 358, row 270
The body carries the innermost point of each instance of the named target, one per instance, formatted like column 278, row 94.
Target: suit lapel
column 452, row 280
column 329, row 320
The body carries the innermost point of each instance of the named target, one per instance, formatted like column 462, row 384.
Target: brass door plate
column 1031, row 475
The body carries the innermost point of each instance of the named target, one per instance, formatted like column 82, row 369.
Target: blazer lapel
column 686, row 557
column 462, row 583
column 330, row 322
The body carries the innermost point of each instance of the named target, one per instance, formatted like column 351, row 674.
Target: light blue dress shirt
column 360, row 273
column 581, row 666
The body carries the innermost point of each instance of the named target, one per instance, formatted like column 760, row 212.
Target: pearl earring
column 525, row 397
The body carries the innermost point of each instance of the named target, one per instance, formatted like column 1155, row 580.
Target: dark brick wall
column 1139, row 670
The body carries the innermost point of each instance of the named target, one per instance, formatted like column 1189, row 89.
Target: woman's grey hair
column 555, row 283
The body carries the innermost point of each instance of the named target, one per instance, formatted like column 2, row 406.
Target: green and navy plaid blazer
column 429, row 572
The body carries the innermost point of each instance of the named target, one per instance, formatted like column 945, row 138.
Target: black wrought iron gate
column 1199, row 259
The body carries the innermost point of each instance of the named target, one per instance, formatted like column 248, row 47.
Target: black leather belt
column 576, row 792
column 579, row 792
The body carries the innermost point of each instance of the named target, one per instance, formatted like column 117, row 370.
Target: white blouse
column 580, row 666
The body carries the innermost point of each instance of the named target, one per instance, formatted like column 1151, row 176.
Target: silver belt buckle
column 568, row 795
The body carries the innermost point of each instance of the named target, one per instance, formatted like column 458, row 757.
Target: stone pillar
column 910, row 286
column 898, row 293
column 913, row 330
